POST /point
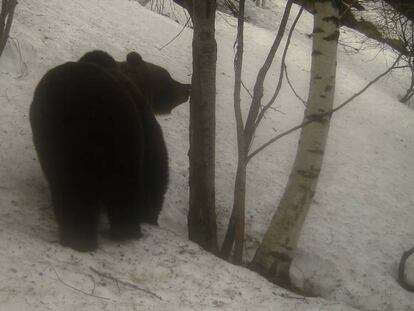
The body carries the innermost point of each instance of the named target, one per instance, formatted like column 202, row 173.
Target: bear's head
column 156, row 83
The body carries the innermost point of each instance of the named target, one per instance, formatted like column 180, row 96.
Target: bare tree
column 6, row 19
column 202, row 226
column 275, row 253
column 236, row 226
column 234, row 238
column 393, row 22
column 273, row 259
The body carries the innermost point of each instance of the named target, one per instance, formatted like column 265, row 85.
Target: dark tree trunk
column 202, row 226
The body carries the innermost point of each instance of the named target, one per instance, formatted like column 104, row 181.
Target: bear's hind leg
column 122, row 204
column 153, row 206
column 78, row 217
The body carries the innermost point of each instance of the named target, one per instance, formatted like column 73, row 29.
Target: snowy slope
column 361, row 220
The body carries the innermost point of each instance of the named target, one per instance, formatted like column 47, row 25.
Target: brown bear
column 100, row 145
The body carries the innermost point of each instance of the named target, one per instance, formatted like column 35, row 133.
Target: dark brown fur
column 99, row 144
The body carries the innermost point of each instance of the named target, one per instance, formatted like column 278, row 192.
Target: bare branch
column 77, row 289
column 361, row 25
column 247, row 89
column 186, row 4
column 293, row 89
column 313, row 118
column 176, row 36
column 127, row 284
column 281, row 73
column 278, row 137
column 258, row 87
column 393, row 66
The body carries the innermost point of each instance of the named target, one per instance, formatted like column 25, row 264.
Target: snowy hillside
column 361, row 220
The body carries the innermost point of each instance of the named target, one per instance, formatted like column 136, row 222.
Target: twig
column 125, row 283
column 23, row 65
column 187, row 16
column 317, row 117
column 94, row 284
column 276, row 110
column 401, row 271
column 223, row 17
column 77, row 289
column 247, row 89
column 250, row 124
column 281, row 73
column 369, row 84
column 233, row 9
column 402, row 67
column 292, row 88
column 277, row 138
column 117, row 286
column 176, row 36
column 347, row 46
column 284, row 295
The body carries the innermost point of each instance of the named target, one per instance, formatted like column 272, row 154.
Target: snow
column 359, row 224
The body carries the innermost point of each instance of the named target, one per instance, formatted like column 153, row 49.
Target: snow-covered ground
column 361, row 220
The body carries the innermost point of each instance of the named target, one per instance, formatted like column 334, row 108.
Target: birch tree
column 274, row 255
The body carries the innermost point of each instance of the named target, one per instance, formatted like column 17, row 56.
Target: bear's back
column 86, row 121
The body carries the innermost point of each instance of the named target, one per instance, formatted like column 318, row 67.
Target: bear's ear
column 134, row 60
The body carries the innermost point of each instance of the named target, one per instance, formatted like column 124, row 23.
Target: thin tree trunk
column 410, row 91
column 274, row 255
column 6, row 20
column 261, row 76
column 202, row 226
column 235, row 229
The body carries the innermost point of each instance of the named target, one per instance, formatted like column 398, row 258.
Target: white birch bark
column 275, row 253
